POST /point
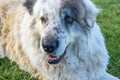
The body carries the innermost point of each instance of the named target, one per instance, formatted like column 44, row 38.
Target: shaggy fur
column 80, row 38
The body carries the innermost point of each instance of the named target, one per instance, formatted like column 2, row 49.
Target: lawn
column 108, row 19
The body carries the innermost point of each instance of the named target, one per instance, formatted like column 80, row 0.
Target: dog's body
column 55, row 39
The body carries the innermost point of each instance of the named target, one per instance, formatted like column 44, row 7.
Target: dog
column 54, row 39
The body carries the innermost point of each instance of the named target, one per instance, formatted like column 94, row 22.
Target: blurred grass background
column 109, row 21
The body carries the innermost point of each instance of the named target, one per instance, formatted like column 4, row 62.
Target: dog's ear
column 29, row 5
column 90, row 17
column 91, row 13
column 89, row 22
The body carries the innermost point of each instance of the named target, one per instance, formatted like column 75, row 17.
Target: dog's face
column 55, row 27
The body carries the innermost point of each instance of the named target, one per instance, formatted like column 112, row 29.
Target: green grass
column 10, row 71
column 108, row 19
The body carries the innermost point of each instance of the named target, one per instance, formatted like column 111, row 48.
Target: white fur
column 91, row 58
column 86, row 58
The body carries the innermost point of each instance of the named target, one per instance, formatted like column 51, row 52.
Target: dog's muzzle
column 50, row 46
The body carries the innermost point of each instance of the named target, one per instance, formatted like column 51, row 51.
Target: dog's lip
column 52, row 59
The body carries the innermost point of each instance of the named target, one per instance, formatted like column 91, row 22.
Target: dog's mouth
column 52, row 59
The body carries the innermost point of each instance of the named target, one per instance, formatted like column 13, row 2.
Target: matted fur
column 22, row 31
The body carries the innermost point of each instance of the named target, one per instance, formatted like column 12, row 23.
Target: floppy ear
column 89, row 22
column 91, row 13
column 90, row 18
column 29, row 5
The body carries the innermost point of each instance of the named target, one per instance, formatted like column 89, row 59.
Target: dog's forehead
column 47, row 5
column 56, row 5
column 74, row 3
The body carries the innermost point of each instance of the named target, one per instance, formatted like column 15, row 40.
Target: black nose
column 49, row 46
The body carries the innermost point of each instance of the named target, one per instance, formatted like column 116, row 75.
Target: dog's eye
column 43, row 19
column 69, row 19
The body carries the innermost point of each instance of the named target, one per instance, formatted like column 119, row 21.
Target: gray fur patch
column 29, row 5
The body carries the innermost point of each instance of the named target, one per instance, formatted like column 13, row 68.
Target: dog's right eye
column 43, row 19
column 69, row 19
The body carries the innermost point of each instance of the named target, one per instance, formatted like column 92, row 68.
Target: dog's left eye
column 69, row 19
column 43, row 19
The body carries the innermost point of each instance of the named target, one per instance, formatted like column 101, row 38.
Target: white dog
column 54, row 39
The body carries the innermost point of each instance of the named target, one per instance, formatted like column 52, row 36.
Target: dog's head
column 56, row 28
